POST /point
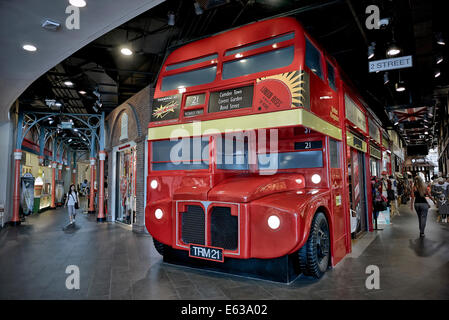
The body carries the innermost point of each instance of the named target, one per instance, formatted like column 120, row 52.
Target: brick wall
column 138, row 111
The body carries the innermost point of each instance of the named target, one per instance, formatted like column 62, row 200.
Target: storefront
column 397, row 155
column 386, row 155
column 125, row 146
column 124, row 183
column 356, row 155
column 40, row 173
column 375, row 153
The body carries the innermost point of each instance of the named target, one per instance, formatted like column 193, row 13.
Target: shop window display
column 126, row 168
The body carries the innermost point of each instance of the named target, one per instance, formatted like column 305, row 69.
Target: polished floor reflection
column 116, row 263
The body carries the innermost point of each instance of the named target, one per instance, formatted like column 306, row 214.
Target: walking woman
column 72, row 202
column 419, row 202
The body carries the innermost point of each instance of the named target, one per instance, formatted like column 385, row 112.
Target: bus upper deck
column 270, row 66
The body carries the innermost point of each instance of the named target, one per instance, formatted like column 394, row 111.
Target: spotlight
column 383, row 23
column 440, row 39
column 82, row 92
column 68, row 83
column 386, row 79
column 70, row 140
column 393, row 50
column 371, row 50
column 171, row 18
column 396, row 123
column 400, row 87
column 198, row 9
column 437, row 73
column 440, row 59
column 126, row 51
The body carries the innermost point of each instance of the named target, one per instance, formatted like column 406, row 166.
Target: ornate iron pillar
column 92, row 173
column 15, row 221
column 53, row 175
column 102, row 156
column 74, row 169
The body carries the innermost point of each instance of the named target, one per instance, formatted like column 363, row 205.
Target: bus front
column 238, row 164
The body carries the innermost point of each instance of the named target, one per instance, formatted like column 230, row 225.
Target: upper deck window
column 331, row 76
column 189, row 78
column 262, row 62
column 190, row 62
column 313, row 59
column 262, row 44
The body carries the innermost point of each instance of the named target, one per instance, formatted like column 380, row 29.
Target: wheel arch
column 316, row 206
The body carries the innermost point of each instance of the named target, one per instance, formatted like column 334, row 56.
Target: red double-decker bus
column 251, row 137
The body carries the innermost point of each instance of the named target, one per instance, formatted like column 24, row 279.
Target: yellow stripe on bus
column 285, row 118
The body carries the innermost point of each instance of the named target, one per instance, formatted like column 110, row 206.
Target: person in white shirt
column 72, row 198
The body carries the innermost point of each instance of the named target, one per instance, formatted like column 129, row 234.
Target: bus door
column 336, row 183
column 357, row 192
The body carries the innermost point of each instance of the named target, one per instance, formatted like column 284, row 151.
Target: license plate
column 206, row 253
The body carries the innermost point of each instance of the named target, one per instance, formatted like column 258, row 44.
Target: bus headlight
column 158, row 213
column 153, row 184
column 274, row 222
column 316, row 178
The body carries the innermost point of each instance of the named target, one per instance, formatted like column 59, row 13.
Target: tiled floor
column 116, row 263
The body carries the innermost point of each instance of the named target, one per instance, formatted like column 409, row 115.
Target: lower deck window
column 182, row 154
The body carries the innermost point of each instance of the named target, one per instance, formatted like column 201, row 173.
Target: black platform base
column 91, row 212
column 101, row 219
column 284, row 269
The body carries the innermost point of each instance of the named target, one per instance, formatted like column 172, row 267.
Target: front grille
column 224, row 228
column 193, row 225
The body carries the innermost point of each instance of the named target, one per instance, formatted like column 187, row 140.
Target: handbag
column 76, row 202
column 380, row 206
column 391, row 195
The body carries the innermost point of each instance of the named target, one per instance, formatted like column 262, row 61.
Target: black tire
column 314, row 256
column 160, row 247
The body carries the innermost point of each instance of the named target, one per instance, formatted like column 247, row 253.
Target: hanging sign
column 391, row 64
column 65, row 125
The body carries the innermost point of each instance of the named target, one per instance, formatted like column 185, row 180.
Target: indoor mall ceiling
column 99, row 68
column 21, row 23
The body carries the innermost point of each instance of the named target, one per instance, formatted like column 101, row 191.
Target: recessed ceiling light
column 437, row 74
column 78, row 3
column 171, row 19
column 82, row 92
column 439, row 60
column 126, row 51
column 29, row 47
column 68, row 83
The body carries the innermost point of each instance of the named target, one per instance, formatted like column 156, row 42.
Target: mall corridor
column 117, row 264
